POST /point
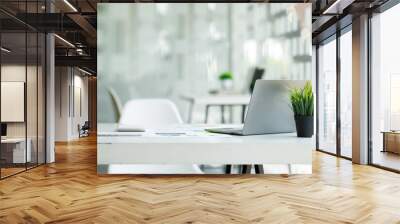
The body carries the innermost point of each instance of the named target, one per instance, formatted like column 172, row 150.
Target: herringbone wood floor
column 70, row 191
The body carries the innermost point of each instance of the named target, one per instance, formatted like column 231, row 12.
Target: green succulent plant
column 302, row 100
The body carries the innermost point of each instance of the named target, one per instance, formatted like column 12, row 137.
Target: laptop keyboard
column 237, row 131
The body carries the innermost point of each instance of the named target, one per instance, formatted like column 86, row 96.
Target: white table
column 220, row 100
column 19, row 155
column 199, row 147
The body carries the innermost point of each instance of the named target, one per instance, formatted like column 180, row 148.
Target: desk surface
column 196, row 134
column 391, row 132
column 13, row 140
column 220, row 99
column 200, row 147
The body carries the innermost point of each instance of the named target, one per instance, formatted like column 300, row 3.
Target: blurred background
column 186, row 51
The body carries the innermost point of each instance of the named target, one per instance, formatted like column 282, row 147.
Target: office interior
column 29, row 60
column 49, row 77
column 192, row 46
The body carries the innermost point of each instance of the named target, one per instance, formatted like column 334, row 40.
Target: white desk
column 221, row 100
column 199, row 147
column 19, row 155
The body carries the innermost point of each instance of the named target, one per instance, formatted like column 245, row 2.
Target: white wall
column 14, row 73
column 80, row 108
column 61, row 103
column 69, row 112
column 17, row 73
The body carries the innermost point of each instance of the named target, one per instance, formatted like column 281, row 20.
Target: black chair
column 258, row 74
column 84, row 130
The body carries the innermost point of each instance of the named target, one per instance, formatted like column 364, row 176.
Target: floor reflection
column 386, row 159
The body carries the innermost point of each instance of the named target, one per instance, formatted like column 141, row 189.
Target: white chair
column 151, row 113
column 116, row 102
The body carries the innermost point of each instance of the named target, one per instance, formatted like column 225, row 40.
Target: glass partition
column 385, row 89
column 335, row 94
column 22, row 91
column 14, row 153
column 346, row 94
column 327, row 96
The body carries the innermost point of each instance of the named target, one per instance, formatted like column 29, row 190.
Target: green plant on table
column 226, row 76
column 302, row 100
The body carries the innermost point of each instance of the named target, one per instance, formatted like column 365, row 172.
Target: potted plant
column 226, row 79
column 302, row 100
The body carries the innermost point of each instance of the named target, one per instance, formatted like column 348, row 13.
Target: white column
column 50, row 99
column 360, row 90
column 63, row 103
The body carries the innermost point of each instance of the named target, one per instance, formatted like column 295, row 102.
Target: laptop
column 269, row 110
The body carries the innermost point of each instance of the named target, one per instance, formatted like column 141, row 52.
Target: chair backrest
column 86, row 125
column 116, row 102
column 258, row 74
column 150, row 113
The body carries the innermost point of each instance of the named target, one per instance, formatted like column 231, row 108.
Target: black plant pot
column 304, row 126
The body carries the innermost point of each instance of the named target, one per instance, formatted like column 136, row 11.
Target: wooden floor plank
column 70, row 191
